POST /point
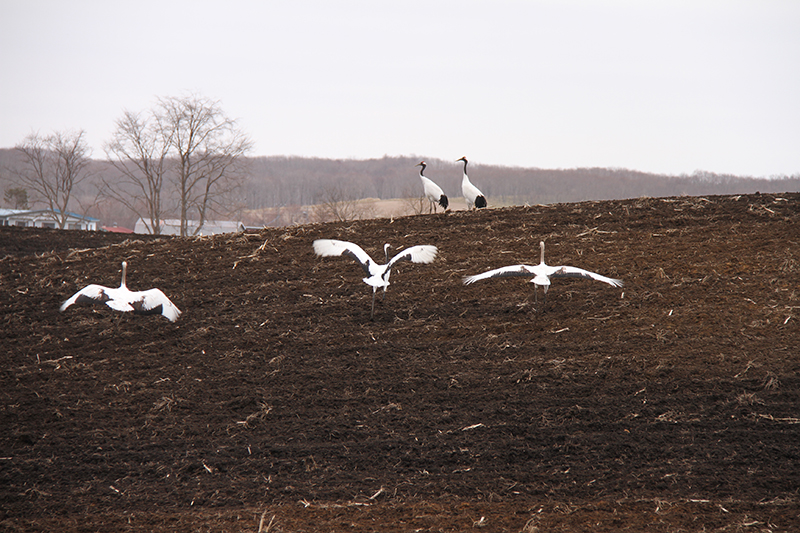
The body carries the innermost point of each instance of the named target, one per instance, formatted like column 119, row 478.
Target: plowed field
column 275, row 404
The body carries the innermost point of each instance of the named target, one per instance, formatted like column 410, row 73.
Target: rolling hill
column 275, row 404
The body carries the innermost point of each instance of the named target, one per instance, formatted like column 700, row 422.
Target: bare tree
column 187, row 142
column 139, row 151
column 52, row 167
column 415, row 204
column 208, row 147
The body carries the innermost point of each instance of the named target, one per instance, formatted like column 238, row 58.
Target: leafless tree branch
column 52, row 167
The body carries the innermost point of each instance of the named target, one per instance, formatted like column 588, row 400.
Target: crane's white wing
column 504, row 272
column 575, row 272
column 423, row 253
column 434, row 193
column 96, row 294
column 470, row 190
column 332, row 247
column 154, row 301
column 431, row 189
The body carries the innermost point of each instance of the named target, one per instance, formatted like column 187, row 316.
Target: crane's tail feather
column 480, row 201
column 443, row 201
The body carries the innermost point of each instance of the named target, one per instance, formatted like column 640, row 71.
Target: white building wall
column 172, row 226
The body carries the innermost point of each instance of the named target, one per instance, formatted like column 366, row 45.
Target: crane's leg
column 372, row 312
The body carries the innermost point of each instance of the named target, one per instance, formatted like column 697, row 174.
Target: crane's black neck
column 422, row 168
column 465, row 165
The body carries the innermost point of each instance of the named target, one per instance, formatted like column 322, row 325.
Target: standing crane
column 473, row 196
column 433, row 192
column 541, row 275
column 149, row 302
column 377, row 274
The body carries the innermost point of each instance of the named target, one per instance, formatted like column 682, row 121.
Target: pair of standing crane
column 472, row 195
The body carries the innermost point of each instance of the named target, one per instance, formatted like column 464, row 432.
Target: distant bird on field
column 377, row 275
column 541, row 274
column 433, row 192
column 150, row 302
column 474, row 197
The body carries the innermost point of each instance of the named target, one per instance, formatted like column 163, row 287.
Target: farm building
column 45, row 218
column 172, row 226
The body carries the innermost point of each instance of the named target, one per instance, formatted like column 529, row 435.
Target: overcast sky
column 660, row 86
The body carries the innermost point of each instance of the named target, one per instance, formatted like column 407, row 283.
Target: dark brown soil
column 275, row 404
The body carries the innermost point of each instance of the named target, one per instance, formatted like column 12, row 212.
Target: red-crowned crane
column 433, row 192
column 541, row 275
column 473, row 196
column 150, row 302
column 377, row 275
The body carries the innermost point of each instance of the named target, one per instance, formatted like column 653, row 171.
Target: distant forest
column 276, row 181
column 294, row 184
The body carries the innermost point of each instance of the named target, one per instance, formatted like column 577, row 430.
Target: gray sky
column 660, row 86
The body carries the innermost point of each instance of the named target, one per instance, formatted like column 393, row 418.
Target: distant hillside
column 279, row 189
